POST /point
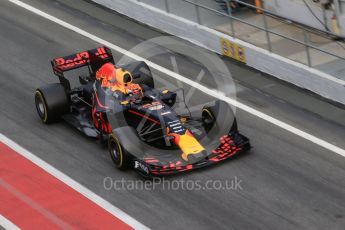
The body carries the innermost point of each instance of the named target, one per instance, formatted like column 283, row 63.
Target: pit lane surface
column 288, row 182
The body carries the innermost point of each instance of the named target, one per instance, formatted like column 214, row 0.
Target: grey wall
column 297, row 10
column 280, row 67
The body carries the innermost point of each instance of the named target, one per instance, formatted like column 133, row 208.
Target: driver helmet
column 107, row 74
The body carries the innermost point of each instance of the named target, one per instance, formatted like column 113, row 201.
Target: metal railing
column 310, row 48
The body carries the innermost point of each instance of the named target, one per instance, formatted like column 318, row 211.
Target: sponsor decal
column 202, row 163
column 80, row 59
column 153, row 106
column 233, row 50
column 172, row 122
column 141, row 166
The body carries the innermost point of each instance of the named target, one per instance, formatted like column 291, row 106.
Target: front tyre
column 121, row 158
column 219, row 118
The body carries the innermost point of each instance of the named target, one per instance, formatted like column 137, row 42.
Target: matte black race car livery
column 144, row 133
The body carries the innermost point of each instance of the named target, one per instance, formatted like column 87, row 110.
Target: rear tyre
column 219, row 118
column 51, row 102
column 121, row 158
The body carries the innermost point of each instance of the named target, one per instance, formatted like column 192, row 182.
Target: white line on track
column 185, row 80
column 7, row 224
column 73, row 184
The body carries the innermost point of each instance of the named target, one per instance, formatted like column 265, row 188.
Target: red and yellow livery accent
column 188, row 144
column 230, row 145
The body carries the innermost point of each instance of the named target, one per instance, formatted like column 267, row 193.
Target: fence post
column 307, row 48
column 228, row 4
column 197, row 13
column 167, row 6
column 269, row 45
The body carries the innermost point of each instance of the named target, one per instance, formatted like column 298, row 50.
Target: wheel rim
column 115, row 152
column 40, row 106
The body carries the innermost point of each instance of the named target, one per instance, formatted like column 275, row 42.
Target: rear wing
column 93, row 58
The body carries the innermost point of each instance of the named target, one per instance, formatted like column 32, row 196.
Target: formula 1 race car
column 140, row 125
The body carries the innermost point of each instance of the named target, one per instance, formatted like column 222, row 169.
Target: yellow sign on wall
column 233, row 50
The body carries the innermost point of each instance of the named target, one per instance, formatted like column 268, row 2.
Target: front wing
column 229, row 145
